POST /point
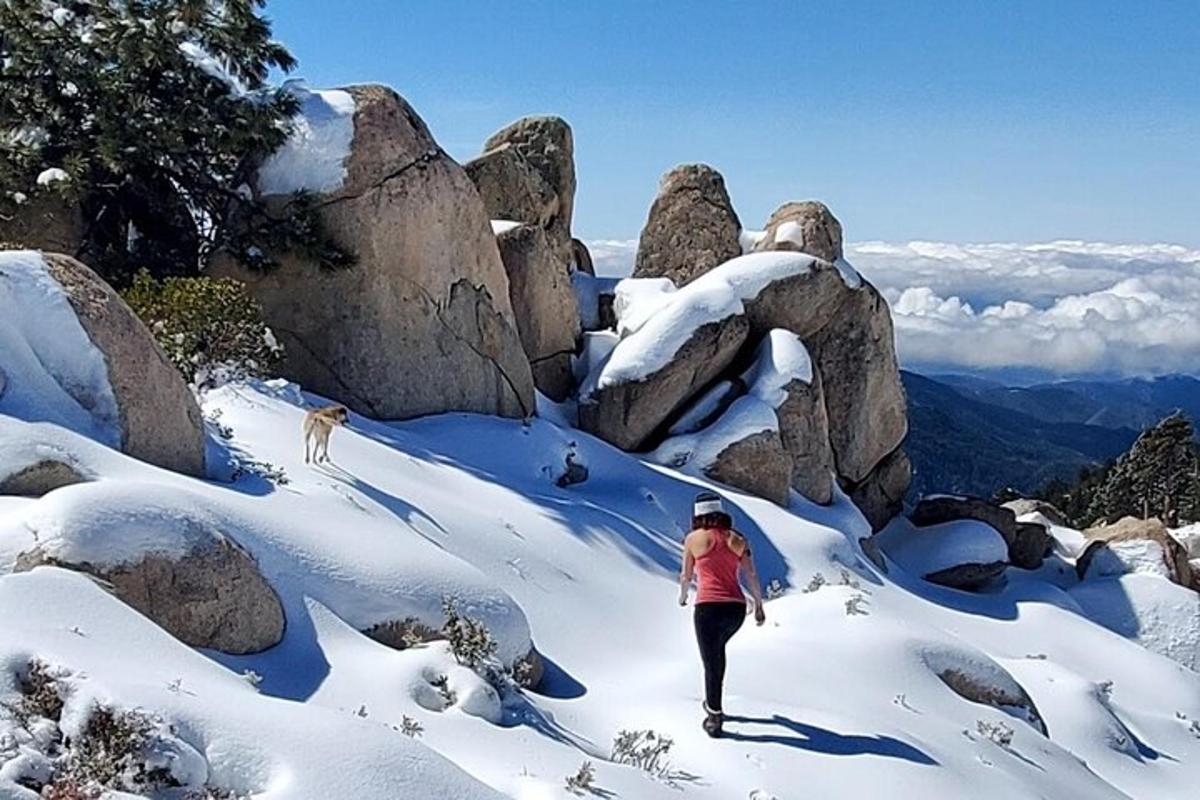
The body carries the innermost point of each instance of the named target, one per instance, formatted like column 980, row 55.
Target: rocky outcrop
column 692, row 226
column 544, row 305
column 626, row 413
column 39, row 478
column 422, row 324
column 213, row 596
column 160, row 421
column 880, row 497
column 511, row 188
column 1103, row 552
column 806, row 227
column 548, row 145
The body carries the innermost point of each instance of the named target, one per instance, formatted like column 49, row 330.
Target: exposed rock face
column 881, row 496
column 544, row 305
column 807, row 227
column 975, row 687
column 422, row 324
column 1133, row 530
column 625, row 414
column 214, row 596
column 855, row 353
column 692, row 226
column 804, row 433
column 37, row 479
column 803, row 304
column 968, row 577
column 758, row 464
column 947, row 508
column 511, row 188
column 160, row 420
column 45, row 222
column 581, row 258
column 1024, row 506
column 1030, row 545
column 549, row 147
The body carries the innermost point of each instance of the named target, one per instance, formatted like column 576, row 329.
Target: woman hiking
column 716, row 554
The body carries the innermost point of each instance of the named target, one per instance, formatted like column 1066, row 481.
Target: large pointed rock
column 422, row 324
column 544, row 304
column 692, row 226
column 511, row 189
column 547, row 143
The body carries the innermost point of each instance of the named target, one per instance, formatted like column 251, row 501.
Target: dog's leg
column 307, row 438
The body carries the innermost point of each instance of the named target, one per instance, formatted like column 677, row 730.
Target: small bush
column 854, row 606
column 997, row 732
column 583, row 780
column 645, row 750
column 211, row 328
column 410, row 727
column 817, row 581
column 470, row 640
column 442, row 684
column 40, row 697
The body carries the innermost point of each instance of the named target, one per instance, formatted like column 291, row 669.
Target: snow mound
column 1144, row 556
column 232, row 737
column 694, row 452
column 313, row 159
column 1160, row 615
column 924, row 551
column 780, row 359
column 49, row 369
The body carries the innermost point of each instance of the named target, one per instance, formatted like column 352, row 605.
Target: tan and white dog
column 318, row 425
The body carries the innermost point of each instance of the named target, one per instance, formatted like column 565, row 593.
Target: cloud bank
column 1064, row 307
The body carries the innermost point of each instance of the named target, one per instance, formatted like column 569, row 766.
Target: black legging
column 716, row 623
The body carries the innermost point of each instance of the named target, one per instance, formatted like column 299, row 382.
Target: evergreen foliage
column 151, row 116
column 1158, row 477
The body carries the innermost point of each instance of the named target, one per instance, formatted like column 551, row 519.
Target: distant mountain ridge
column 972, row 435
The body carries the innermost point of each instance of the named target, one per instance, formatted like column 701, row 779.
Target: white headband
column 703, row 507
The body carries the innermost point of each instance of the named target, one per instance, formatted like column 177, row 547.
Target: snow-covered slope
column 837, row 695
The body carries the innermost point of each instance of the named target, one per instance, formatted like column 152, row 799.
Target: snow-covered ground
column 837, row 695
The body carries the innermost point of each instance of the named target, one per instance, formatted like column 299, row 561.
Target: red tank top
column 717, row 572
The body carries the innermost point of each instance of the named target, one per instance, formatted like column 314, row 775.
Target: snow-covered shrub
column 998, row 732
column 40, row 696
column 211, row 328
column 817, row 581
column 410, row 727
column 470, row 640
column 442, row 684
column 583, row 780
column 854, row 606
column 646, row 750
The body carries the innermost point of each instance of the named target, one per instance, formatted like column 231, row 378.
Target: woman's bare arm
column 685, row 575
column 755, row 586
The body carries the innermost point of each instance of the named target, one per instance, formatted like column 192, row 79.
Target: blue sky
column 952, row 121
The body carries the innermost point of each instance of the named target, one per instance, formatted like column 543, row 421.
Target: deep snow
column 826, row 702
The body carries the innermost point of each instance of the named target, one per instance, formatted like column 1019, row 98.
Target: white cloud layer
column 1062, row 307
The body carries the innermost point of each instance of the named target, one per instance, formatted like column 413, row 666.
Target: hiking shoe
column 712, row 724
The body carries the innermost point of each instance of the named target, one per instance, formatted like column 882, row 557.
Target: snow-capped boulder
column 806, row 227
column 38, row 478
column 548, row 145
column 784, row 377
column 1135, row 545
column 511, row 188
column 1024, row 505
column 742, row 449
column 692, row 226
column 170, row 561
column 544, row 305
column 76, row 355
column 422, row 323
column 880, row 496
column 963, row 554
column 651, row 374
column 973, row 676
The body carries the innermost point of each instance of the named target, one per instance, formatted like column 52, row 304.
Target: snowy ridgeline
column 1046, row 687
